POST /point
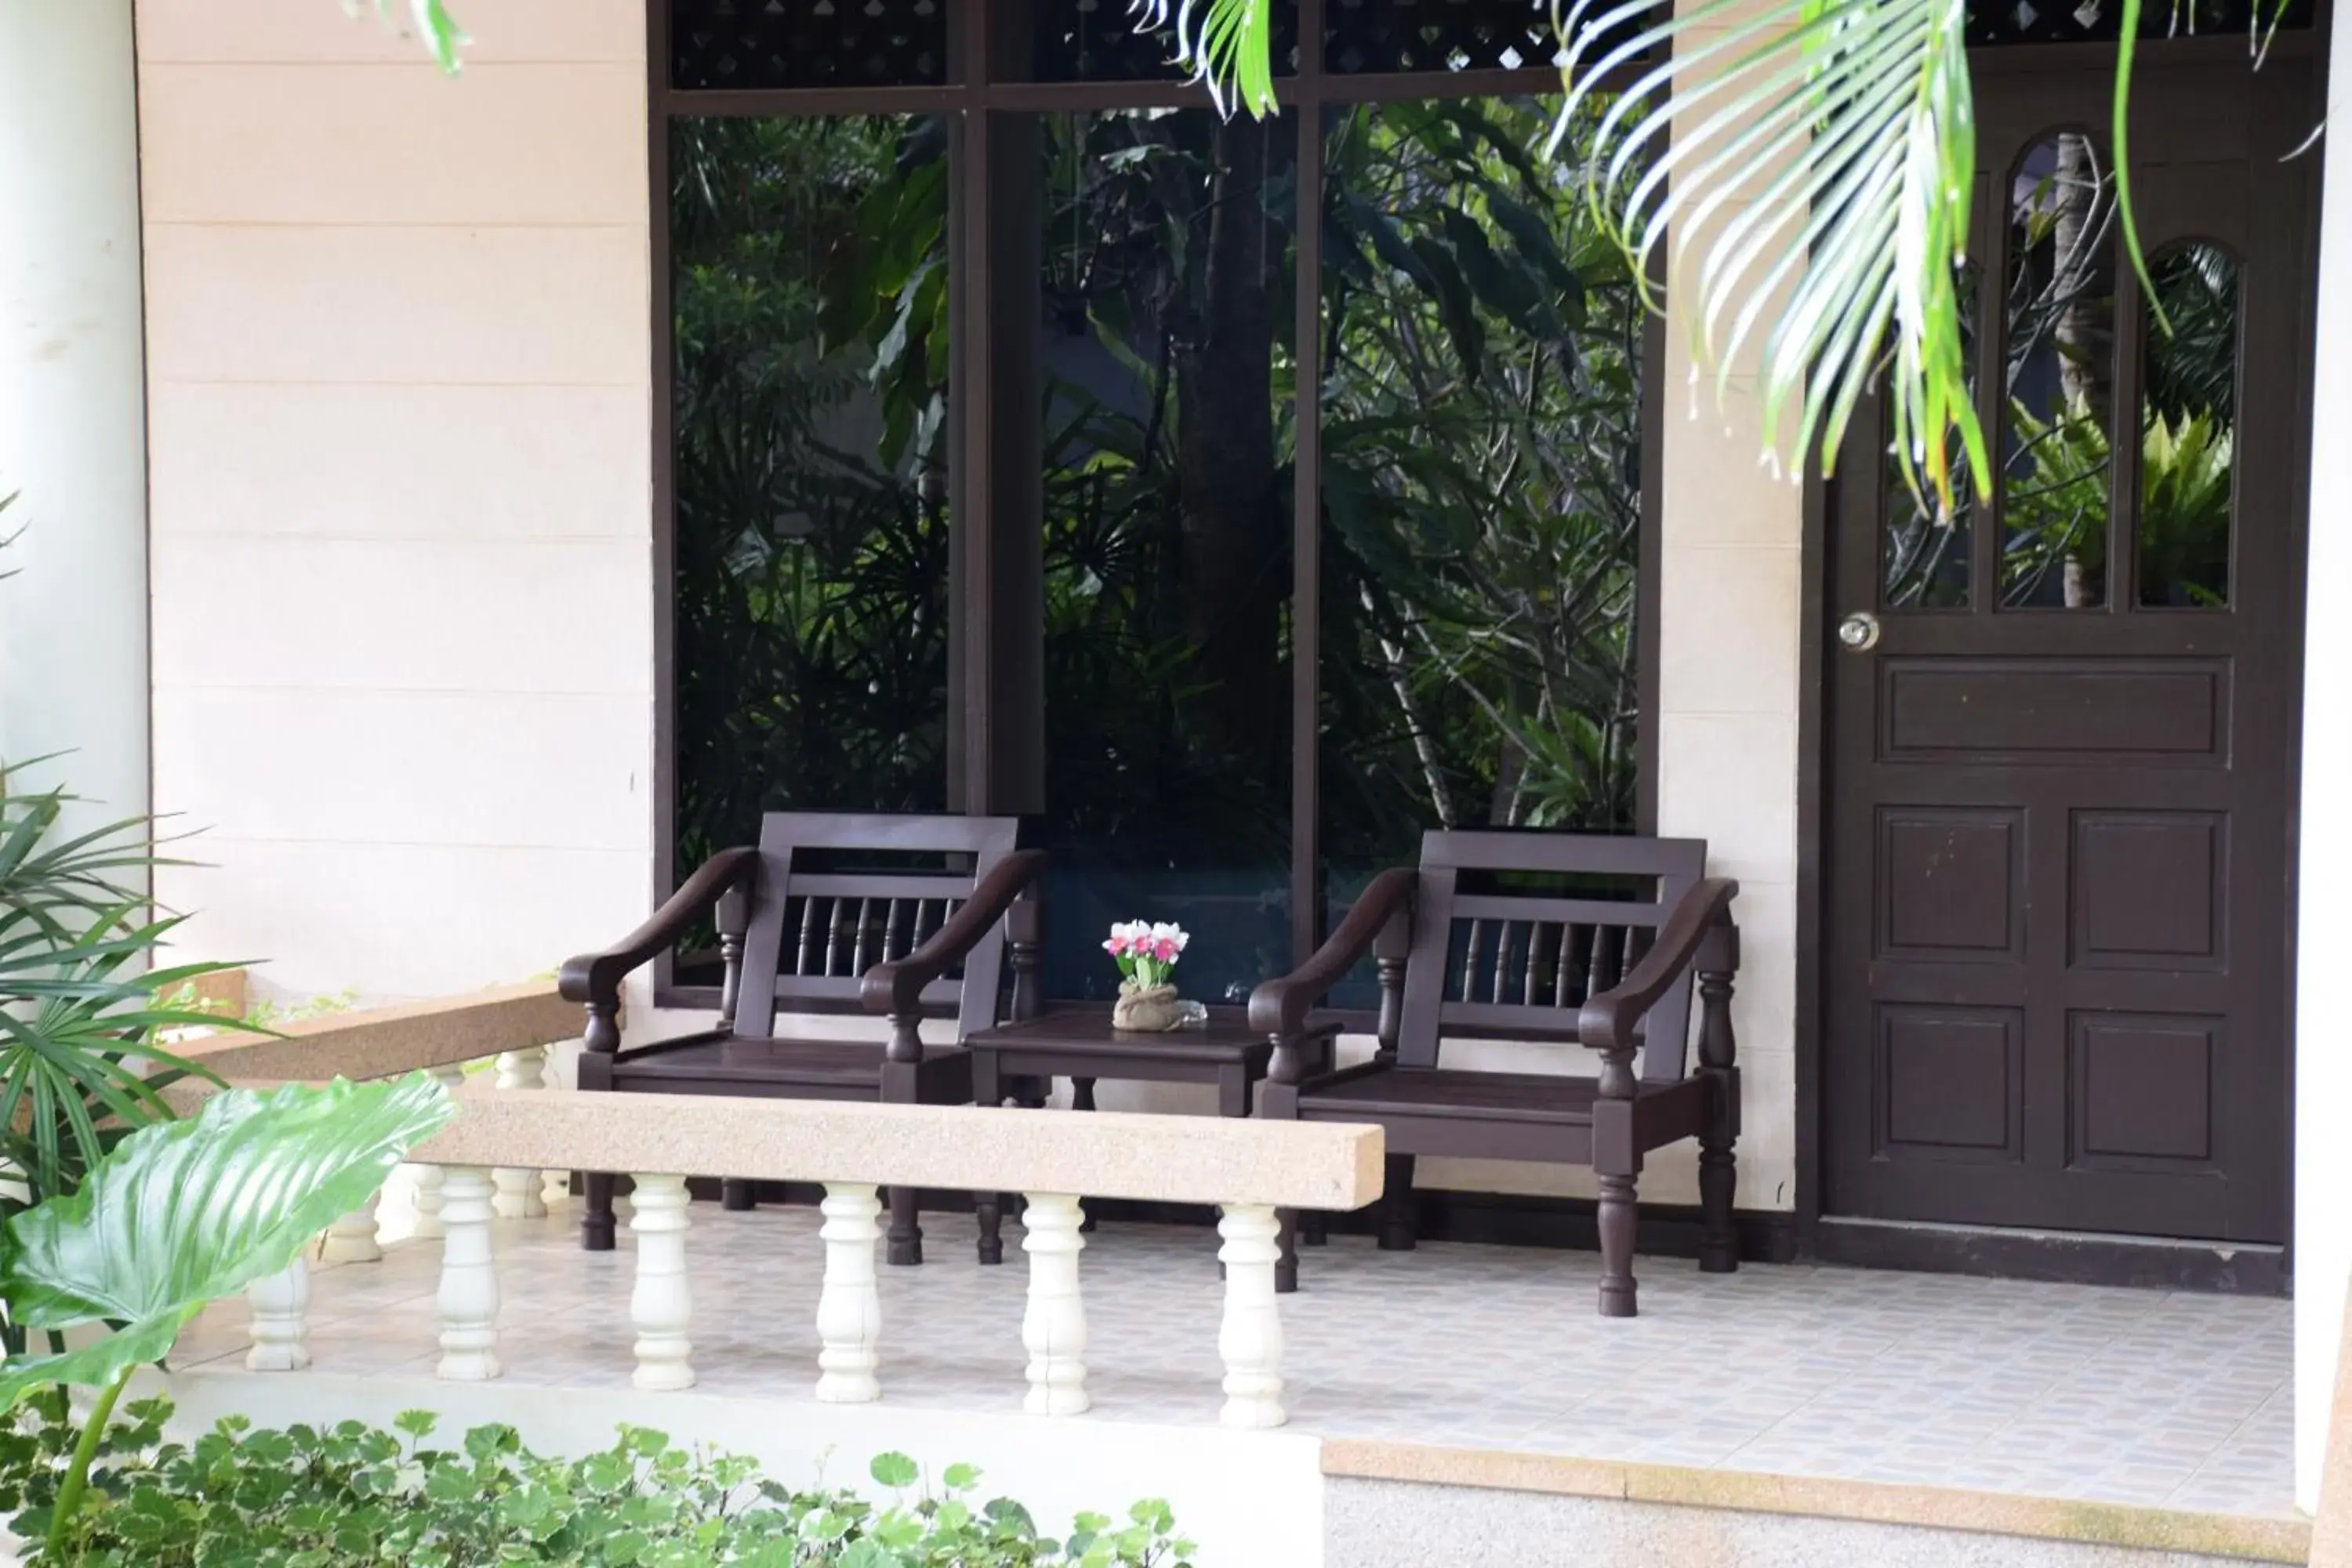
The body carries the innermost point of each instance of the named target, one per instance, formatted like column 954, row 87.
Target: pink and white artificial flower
column 1147, row 953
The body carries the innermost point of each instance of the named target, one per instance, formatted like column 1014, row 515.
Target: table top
column 1086, row 1026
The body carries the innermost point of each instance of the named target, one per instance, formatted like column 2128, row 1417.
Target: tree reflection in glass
column 1167, row 261
column 2188, row 418
column 808, row 279
column 1483, row 348
column 2060, row 365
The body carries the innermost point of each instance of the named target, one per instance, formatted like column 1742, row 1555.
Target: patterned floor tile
column 2052, row 1389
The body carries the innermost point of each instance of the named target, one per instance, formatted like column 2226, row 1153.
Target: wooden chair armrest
column 1280, row 1006
column 896, row 987
column 1609, row 1022
column 595, row 977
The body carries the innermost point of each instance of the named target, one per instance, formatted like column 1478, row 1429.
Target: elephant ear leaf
column 185, row 1212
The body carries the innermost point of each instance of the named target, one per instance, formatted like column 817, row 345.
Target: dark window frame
column 984, row 38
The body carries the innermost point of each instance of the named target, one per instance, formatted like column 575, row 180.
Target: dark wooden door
column 2060, row 727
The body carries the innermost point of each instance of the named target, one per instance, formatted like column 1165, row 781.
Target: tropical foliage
column 1822, row 153
column 360, row 1497
column 81, row 1061
column 181, row 1213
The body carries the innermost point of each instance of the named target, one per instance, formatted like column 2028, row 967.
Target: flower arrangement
column 1146, row 955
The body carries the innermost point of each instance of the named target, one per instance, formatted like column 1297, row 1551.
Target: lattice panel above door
column 1096, row 41
column 1365, row 38
column 1994, row 24
column 717, row 45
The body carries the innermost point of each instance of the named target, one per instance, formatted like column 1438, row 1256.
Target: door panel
column 2059, row 764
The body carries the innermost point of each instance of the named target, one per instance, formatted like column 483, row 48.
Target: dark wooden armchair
column 799, row 932
column 1468, row 947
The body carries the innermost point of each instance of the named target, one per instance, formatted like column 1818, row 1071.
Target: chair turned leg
column 1314, row 1228
column 1400, row 1224
column 1718, row 1244
column 906, row 1229
column 1286, row 1268
column 990, row 1207
column 1617, row 1247
column 735, row 1197
column 597, row 1215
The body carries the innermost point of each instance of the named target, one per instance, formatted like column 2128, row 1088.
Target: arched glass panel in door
column 2189, row 419
column 2058, row 369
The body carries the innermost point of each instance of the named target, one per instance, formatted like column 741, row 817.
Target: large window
column 1026, row 453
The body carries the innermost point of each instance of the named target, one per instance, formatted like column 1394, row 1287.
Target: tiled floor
column 2049, row 1390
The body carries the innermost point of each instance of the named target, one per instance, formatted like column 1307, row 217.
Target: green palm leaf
column 434, row 25
column 1857, row 120
column 1229, row 43
column 185, row 1212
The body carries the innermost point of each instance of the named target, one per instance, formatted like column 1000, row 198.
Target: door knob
column 1858, row 632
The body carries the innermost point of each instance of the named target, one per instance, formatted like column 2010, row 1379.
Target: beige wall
column 397, row 415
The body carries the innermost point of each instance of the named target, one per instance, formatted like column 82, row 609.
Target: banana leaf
column 185, row 1212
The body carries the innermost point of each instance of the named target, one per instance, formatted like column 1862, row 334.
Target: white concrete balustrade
column 507, row 1152
column 1250, row 1169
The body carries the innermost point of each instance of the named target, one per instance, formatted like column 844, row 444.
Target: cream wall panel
column 335, row 766
column 1730, row 628
column 1718, row 663
column 399, row 405
column 405, row 615
column 264, row 457
column 1731, row 779
column 402, row 919
column 507, row 146
column 245, row 31
column 413, row 305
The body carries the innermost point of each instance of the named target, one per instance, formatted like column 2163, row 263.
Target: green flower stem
column 77, row 1482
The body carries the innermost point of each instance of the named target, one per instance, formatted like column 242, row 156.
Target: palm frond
column 1823, row 155
column 1229, row 43
column 434, row 25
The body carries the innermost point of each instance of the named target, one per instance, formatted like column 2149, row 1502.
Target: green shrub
column 360, row 1496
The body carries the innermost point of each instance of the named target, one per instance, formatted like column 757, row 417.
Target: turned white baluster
column 660, row 1306
column 469, row 1285
column 554, row 1189
column 1054, row 1328
column 519, row 1189
column 849, row 1309
column 1250, row 1340
column 426, row 1179
column 352, row 1239
column 280, row 1306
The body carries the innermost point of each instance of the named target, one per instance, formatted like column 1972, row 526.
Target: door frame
column 2080, row 1257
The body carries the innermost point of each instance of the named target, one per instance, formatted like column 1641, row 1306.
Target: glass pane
column 1481, row 489
column 1098, row 40
column 809, row 283
column 1168, row 255
column 1926, row 557
column 2060, row 365
column 2188, row 418
column 745, row 44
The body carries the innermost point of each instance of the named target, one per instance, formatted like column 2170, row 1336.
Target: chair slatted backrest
column 1514, row 931
column 839, row 893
